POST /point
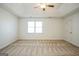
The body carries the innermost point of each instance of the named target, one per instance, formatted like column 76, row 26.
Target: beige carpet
column 41, row 48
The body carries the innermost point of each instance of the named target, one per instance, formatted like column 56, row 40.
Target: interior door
column 69, row 29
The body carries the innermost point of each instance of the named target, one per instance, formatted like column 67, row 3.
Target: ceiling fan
column 44, row 6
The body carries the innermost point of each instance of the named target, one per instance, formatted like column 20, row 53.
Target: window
column 30, row 27
column 34, row 27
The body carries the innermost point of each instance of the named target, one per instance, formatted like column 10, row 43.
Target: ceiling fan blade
column 50, row 5
column 36, row 7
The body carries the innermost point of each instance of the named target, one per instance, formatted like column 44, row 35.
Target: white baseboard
column 6, row 44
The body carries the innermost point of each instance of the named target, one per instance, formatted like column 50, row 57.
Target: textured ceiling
column 28, row 10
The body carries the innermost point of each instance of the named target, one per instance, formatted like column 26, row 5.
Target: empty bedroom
column 39, row 29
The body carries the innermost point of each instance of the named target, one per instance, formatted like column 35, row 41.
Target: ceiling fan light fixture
column 43, row 6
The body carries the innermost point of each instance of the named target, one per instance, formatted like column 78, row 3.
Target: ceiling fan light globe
column 43, row 6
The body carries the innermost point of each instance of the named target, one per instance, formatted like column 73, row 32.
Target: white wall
column 74, row 38
column 8, row 28
column 52, row 28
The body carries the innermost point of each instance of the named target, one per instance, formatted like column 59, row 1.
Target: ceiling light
column 43, row 6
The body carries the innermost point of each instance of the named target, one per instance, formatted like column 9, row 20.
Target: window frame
column 35, row 26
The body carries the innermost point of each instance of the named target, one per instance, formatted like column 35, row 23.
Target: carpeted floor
column 41, row 48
